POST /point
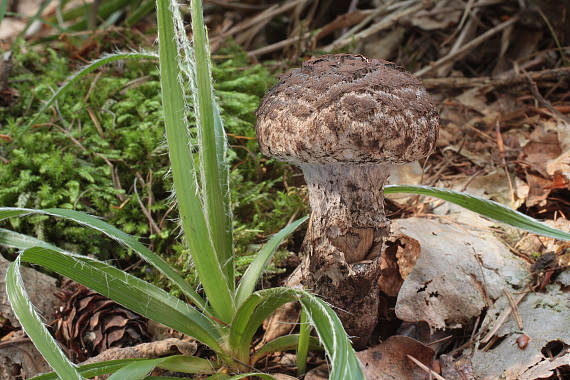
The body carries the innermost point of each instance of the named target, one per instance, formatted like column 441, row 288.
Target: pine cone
column 89, row 323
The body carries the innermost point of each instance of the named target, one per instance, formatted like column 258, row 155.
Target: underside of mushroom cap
column 347, row 108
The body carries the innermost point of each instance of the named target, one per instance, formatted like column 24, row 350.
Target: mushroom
column 345, row 120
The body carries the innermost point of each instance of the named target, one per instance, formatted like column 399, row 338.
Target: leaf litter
column 469, row 293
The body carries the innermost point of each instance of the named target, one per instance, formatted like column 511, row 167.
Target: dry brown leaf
column 20, row 359
column 542, row 147
column 460, row 271
column 389, row 360
column 397, row 262
column 539, row 189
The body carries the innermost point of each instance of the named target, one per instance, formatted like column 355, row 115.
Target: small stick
column 428, row 370
column 468, row 46
column 557, row 114
column 384, row 24
column 502, row 318
column 558, row 73
column 515, row 308
column 278, row 45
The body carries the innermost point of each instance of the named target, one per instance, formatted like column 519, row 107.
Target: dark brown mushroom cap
column 347, row 108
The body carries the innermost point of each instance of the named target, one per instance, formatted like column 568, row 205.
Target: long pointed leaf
column 92, row 370
column 485, row 207
column 119, row 236
column 284, row 343
column 213, row 277
column 213, row 165
column 136, row 370
column 257, row 266
column 129, row 291
column 177, row 363
column 20, row 241
column 34, row 327
column 344, row 364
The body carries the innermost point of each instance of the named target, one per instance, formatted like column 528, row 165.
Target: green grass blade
column 303, row 344
column 258, row 265
column 223, row 376
column 284, row 343
column 140, row 12
column 92, row 370
column 343, row 360
column 485, row 207
column 105, row 60
column 344, row 364
column 213, row 277
column 129, row 291
column 213, row 165
column 90, row 221
column 34, row 327
column 188, row 364
column 136, row 370
column 178, row 363
column 3, row 8
column 13, row 239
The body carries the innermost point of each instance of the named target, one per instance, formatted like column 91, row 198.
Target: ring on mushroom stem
column 345, row 119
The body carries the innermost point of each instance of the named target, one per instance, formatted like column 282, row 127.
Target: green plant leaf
column 140, row 12
column 211, row 135
column 137, row 370
column 33, row 326
column 344, row 364
column 251, row 276
column 177, row 363
column 92, row 370
column 121, row 237
column 303, row 344
column 129, row 291
column 284, row 343
column 223, row 376
column 195, row 224
column 485, row 207
column 20, row 241
column 3, row 8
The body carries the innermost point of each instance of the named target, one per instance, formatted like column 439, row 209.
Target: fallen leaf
column 397, row 262
column 459, row 272
column 388, row 360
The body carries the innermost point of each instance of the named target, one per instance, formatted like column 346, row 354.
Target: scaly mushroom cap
column 347, row 108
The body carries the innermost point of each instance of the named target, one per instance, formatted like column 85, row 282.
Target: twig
column 114, row 176
column 558, row 115
column 510, row 80
column 502, row 318
column 384, row 24
column 237, row 6
column 278, row 45
column 146, row 212
column 267, row 14
column 467, row 10
column 467, row 47
column 428, row 370
column 515, row 308
column 146, row 350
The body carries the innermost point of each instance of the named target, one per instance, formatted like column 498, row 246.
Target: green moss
column 105, row 138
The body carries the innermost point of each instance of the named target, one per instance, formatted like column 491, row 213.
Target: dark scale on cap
column 347, row 108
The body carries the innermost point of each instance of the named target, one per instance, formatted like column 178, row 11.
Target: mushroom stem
column 345, row 239
column 348, row 206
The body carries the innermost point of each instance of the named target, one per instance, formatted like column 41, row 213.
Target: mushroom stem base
column 344, row 240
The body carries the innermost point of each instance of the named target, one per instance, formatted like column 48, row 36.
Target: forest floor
column 499, row 72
